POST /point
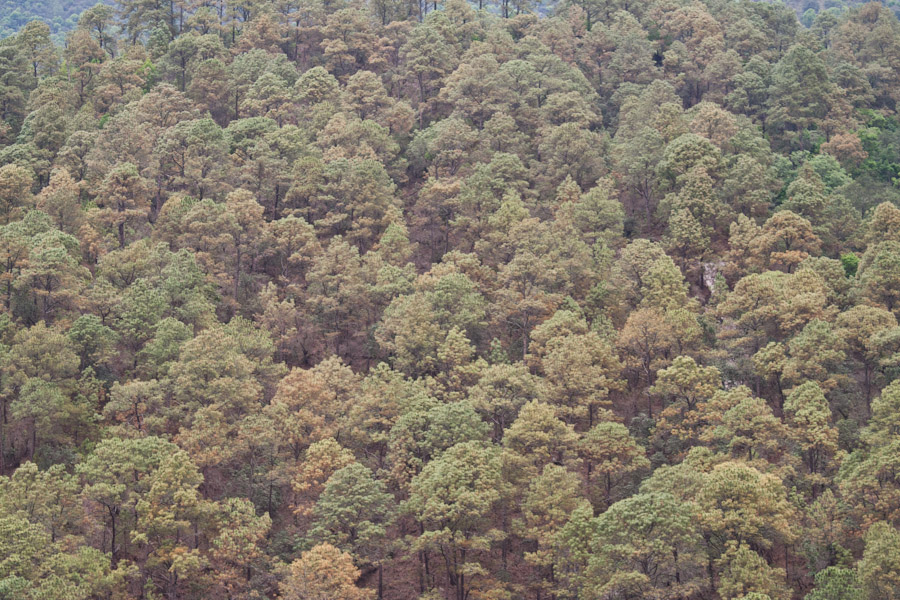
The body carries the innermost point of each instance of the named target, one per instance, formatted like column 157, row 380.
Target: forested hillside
column 60, row 15
column 318, row 299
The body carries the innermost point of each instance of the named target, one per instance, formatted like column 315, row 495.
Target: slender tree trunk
column 275, row 205
column 2, row 437
column 114, row 557
column 380, row 581
column 237, row 271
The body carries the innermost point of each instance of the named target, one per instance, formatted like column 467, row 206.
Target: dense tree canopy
column 419, row 300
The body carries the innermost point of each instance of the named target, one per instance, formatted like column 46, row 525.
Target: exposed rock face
column 710, row 271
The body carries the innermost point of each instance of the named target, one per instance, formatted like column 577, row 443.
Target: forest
column 60, row 15
column 449, row 300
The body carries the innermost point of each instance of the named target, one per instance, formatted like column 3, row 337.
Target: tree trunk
column 2, row 437
column 380, row 581
column 114, row 557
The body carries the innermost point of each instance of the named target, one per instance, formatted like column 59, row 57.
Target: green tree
column 537, row 438
column 453, row 498
column 834, row 583
column 116, row 477
column 239, row 549
column 740, row 503
column 501, row 391
column 582, row 371
column 123, row 199
column 877, row 272
column 798, row 96
column 547, row 505
column 867, row 475
column 809, row 418
column 613, row 457
column 879, row 568
column 166, row 513
column 35, row 44
column 646, row 545
column 35, row 567
column 352, row 513
column 744, row 573
column 15, row 190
